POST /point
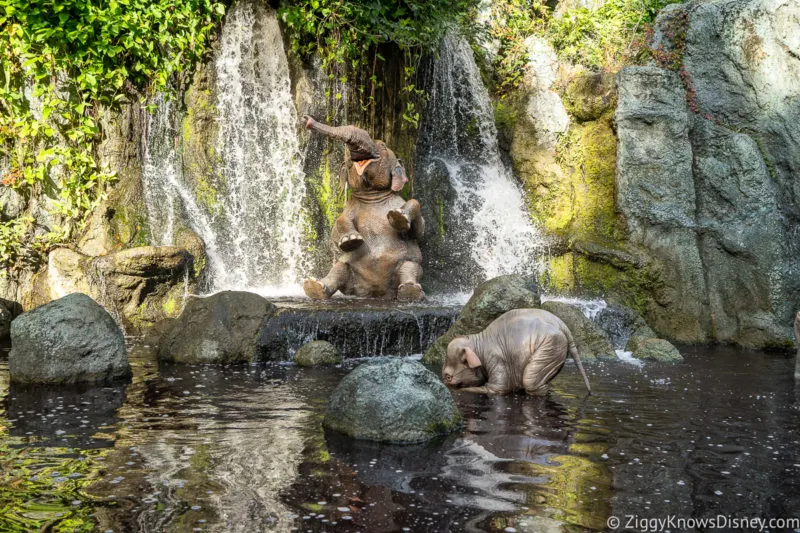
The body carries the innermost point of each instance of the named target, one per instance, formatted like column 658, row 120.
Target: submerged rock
column 657, row 350
column 317, row 353
column 491, row 299
column 221, row 328
column 72, row 339
column 392, row 400
column 592, row 341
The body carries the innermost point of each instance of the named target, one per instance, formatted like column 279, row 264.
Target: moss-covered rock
column 592, row 341
column 590, row 95
column 139, row 286
column 392, row 400
column 491, row 299
column 317, row 353
column 657, row 350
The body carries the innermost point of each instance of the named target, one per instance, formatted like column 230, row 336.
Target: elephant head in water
column 377, row 230
column 522, row 349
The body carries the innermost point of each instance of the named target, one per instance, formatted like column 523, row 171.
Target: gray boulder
column 624, row 326
column 392, row 400
column 657, row 350
column 72, row 339
column 592, row 341
column 221, row 328
column 317, row 353
column 491, row 299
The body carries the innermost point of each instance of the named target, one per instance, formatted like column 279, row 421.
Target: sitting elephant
column 520, row 349
column 378, row 230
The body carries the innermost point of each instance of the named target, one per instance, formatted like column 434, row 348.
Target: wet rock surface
column 140, row 286
column 707, row 169
column 221, row 328
column 623, row 325
column 491, row 299
column 392, row 400
column 592, row 341
column 355, row 327
column 72, row 339
column 656, row 350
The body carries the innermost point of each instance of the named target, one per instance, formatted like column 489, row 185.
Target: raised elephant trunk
column 357, row 140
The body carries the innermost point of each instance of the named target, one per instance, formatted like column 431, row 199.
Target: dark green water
column 242, row 449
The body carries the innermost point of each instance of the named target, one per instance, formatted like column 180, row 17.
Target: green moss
column 440, row 217
column 443, row 427
column 576, row 274
column 207, row 194
column 129, row 227
column 171, row 307
column 589, row 153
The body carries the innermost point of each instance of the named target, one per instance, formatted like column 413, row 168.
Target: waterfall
column 253, row 227
column 484, row 229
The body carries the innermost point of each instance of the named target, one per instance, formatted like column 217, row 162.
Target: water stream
column 463, row 181
column 249, row 215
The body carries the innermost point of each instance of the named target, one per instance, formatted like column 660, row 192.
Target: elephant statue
column 377, row 231
column 522, row 349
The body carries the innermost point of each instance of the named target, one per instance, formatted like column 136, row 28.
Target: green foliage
column 607, row 37
column 62, row 60
column 346, row 35
column 513, row 22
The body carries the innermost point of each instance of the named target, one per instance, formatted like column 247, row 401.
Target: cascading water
column 484, row 229
column 252, row 224
column 261, row 160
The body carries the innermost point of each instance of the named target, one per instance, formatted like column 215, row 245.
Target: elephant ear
column 471, row 358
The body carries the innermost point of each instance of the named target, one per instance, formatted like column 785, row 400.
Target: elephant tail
column 573, row 351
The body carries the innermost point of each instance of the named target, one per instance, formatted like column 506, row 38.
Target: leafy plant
column 513, row 21
column 64, row 61
column 347, row 34
column 607, row 37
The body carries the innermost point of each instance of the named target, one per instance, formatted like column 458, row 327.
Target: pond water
column 242, row 449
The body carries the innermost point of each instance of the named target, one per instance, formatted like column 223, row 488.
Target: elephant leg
column 401, row 219
column 408, row 276
column 542, row 368
column 346, row 237
column 322, row 289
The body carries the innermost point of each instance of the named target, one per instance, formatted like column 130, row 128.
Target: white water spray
column 459, row 132
column 252, row 227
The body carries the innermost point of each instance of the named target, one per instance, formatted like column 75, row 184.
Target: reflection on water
column 242, row 449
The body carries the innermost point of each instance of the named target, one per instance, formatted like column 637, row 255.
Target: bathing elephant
column 377, row 231
column 520, row 349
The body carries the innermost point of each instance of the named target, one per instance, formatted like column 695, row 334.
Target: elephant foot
column 315, row 289
column 399, row 220
column 410, row 292
column 350, row 242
